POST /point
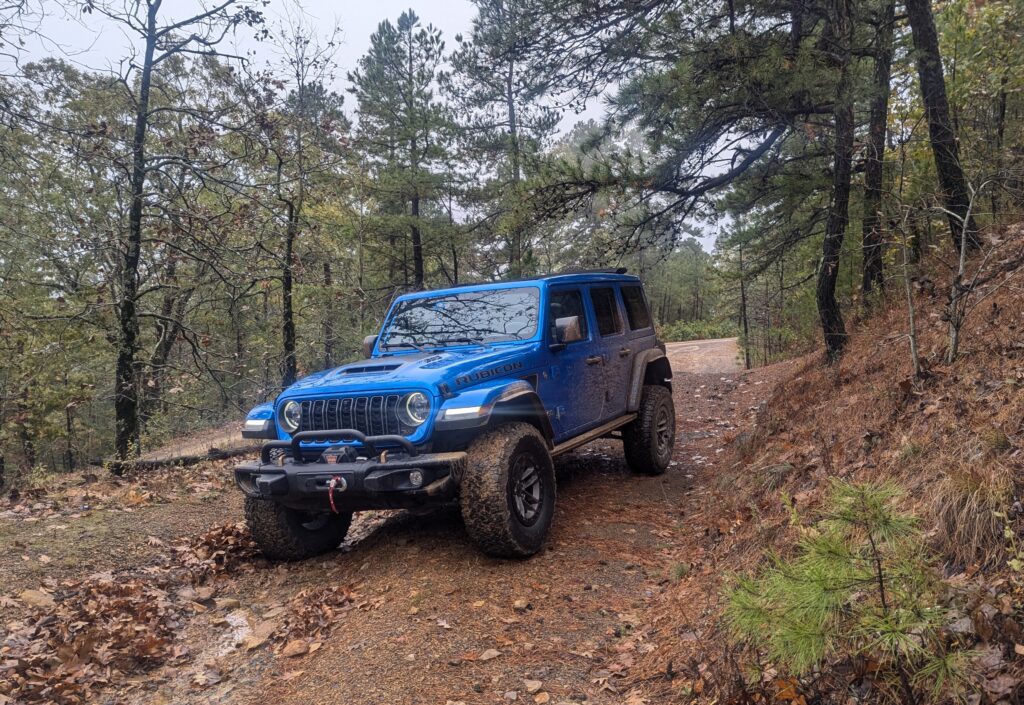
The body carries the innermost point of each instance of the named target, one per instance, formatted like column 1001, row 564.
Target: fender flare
column 480, row 406
column 638, row 376
column 259, row 422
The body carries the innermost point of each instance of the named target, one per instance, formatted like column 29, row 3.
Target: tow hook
column 337, row 483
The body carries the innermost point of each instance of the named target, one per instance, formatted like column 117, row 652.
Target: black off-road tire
column 497, row 464
column 285, row 534
column 649, row 439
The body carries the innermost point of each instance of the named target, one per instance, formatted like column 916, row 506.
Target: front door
column 574, row 396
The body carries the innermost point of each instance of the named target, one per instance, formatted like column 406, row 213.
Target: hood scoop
column 369, row 369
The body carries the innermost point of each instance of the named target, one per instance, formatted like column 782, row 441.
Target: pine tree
column 507, row 123
column 402, row 126
column 858, row 586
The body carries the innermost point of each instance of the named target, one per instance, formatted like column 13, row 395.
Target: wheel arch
column 525, row 407
column 508, row 402
column 649, row 367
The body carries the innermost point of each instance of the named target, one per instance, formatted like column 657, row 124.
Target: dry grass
column 969, row 506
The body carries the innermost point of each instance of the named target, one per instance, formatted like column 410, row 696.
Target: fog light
column 416, row 478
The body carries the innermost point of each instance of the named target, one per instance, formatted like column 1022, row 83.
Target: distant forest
column 187, row 233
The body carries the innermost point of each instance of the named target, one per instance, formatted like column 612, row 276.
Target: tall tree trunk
column 417, row 245
column 69, row 431
column 126, row 390
column 873, row 271
column 1000, row 115
column 328, row 318
column 940, row 128
column 833, row 329
column 289, row 365
column 516, row 250
column 21, row 408
column 167, row 329
column 743, row 314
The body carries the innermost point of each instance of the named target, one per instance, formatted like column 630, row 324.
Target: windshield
column 461, row 318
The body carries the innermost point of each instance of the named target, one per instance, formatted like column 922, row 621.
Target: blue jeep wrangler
column 466, row 395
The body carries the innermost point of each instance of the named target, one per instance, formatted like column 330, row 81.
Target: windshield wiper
column 471, row 341
column 388, row 346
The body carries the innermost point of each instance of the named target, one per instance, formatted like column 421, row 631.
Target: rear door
column 614, row 346
column 574, row 396
column 638, row 318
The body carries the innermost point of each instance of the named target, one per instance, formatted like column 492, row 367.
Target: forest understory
column 146, row 589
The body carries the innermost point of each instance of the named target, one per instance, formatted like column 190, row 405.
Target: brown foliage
column 99, row 629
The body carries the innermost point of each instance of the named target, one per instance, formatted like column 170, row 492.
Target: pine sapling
column 858, row 589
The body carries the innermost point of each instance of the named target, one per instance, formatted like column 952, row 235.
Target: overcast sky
column 91, row 41
column 94, row 42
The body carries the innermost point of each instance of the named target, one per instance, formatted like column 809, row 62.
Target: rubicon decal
column 481, row 375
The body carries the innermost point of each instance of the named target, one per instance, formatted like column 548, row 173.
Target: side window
column 562, row 304
column 636, row 307
column 606, row 310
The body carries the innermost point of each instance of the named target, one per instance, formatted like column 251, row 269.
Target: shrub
column 857, row 601
column 679, row 331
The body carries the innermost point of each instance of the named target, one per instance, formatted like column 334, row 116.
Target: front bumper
column 379, row 481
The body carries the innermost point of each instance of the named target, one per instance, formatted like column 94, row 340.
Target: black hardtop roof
column 568, row 276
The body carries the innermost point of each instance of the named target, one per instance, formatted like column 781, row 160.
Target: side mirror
column 368, row 343
column 567, row 330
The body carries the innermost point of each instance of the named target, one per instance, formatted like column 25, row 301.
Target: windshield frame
column 381, row 346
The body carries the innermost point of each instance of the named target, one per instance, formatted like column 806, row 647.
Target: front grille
column 374, row 416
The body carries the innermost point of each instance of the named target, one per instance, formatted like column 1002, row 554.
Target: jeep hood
column 413, row 370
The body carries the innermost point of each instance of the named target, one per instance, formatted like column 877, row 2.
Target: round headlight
column 291, row 415
column 414, row 409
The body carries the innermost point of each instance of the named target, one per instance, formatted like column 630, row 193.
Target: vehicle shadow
column 373, row 530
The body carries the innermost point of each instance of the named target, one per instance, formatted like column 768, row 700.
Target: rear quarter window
column 636, row 307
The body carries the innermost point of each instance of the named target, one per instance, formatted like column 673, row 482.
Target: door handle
column 624, row 352
column 595, row 360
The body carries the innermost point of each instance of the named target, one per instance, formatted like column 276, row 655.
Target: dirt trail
column 720, row 355
column 432, row 611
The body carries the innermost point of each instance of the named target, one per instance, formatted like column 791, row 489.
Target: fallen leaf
column 260, row 633
column 490, row 654
column 295, row 647
column 37, row 598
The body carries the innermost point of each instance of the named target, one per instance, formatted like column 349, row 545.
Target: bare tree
column 197, row 34
column 300, row 121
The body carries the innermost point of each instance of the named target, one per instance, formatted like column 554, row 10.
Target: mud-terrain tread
column 638, row 439
column 483, row 496
column 279, row 533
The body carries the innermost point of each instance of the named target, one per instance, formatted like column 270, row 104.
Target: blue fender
column 259, row 422
column 512, row 400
